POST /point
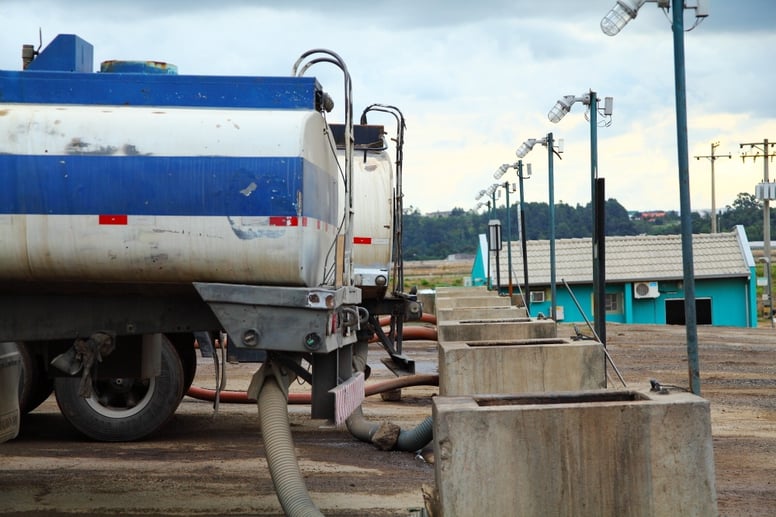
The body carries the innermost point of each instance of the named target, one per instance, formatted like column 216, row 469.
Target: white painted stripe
column 44, row 129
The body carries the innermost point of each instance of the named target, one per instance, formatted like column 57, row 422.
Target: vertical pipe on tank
column 398, row 201
column 346, row 276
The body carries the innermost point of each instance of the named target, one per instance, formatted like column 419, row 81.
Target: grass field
column 429, row 274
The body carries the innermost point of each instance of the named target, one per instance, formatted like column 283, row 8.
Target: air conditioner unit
column 537, row 296
column 645, row 290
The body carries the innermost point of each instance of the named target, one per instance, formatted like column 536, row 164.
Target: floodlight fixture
column 625, row 10
column 479, row 196
column 492, row 189
column 526, row 146
column 523, row 170
column 565, row 103
column 561, row 108
column 619, row 16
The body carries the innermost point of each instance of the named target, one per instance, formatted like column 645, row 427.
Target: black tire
column 184, row 345
column 35, row 386
column 123, row 410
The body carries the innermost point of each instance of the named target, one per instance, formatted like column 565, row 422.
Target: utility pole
column 712, row 157
column 766, row 193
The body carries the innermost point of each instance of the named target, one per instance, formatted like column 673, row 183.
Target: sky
column 474, row 80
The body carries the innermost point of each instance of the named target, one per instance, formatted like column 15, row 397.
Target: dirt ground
column 201, row 465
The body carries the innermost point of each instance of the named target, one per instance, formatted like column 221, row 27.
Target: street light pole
column 491, row 191
column 509, row 242
column 611, row 24
column 680, row 85
column 527, row 289
column 498, row 174
column 557, row 112
column 599, row 285
column 521, row 152
column 551, row 176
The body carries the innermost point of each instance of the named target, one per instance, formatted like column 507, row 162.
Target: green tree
column 747, row 210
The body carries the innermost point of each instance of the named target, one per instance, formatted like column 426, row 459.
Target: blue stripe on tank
column 182, row 186
column 120, row 89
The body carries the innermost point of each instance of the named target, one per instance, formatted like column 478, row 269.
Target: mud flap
column 347, row 397
column 10, row 371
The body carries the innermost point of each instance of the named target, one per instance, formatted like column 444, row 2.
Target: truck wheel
column 124, row 409
column 34, row 386
column 184, row 345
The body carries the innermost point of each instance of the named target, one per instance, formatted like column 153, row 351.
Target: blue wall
column 732, row 302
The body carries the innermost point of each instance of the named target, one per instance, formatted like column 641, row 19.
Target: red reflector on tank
column 280, row 220
column 362, row 240
column 112, row 219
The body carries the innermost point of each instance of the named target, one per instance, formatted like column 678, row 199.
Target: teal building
column 644, row 278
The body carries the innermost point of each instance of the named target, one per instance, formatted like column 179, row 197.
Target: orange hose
column 241, row 397
column 426, row 317
column 418, row 332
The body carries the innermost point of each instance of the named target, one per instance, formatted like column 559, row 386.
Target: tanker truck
column 139, row 206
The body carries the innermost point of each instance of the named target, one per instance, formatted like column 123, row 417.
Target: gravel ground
column 199, row 464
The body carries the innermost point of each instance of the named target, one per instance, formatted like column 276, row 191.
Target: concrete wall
column 517, row 366
column 471, row 313
column 585, row 454
column 494, row 329
column 458, row 291
column 485, row 300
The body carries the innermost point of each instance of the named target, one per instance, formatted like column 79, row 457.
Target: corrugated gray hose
column 409, row 440
column 281, row 458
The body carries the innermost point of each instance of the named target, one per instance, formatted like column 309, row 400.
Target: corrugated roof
column 630, row 258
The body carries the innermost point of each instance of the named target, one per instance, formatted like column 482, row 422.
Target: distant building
column 459, row 256
column 441, row 213
column 651, row 216
column 644, row 278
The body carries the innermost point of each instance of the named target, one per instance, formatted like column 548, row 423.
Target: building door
column 675, row 311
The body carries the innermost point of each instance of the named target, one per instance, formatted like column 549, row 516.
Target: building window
column 537, row 296
column 613, row 303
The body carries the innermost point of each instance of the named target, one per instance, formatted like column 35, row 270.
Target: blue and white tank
column 145, row 176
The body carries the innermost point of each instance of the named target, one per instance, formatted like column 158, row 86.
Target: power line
column 765, row 193
column 713, row 157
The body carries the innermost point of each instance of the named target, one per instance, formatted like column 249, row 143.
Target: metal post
column 494, row 215
column 600, row 232
column 494, row 230
column 767, row 235
column 690, row 316
column 526, row 289
column 553, row 290
column 487, row 278
column 509, row 241
column 599, row 315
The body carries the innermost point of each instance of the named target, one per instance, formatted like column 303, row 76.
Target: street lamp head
column 501, row 171
column 561, row 108
column 525, row 148
column 619, row 16
column 479, row 196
